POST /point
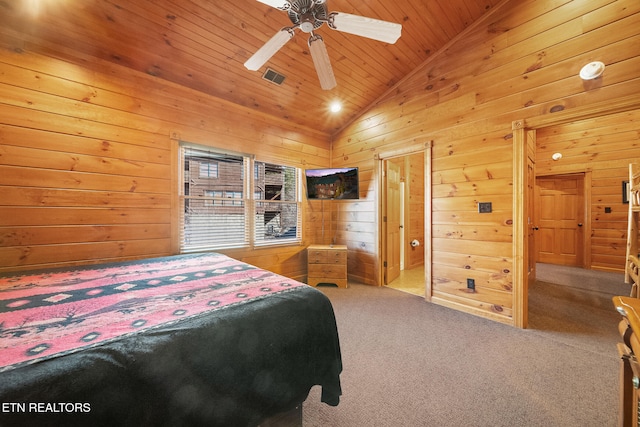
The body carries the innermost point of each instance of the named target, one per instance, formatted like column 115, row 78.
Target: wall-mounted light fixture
column 592, row 70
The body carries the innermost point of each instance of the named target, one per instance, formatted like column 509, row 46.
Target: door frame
column 586, row 207
column 521, row 198
column 415, row 146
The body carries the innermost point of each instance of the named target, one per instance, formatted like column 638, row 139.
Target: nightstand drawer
column 318, row 256
column 327, row 271
column 336, row 256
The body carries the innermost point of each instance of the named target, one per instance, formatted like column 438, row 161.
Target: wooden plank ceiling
column 203, row 44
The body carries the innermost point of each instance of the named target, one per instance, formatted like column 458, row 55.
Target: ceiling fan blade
column 321, row 62
column 269, row 49
column 376, row 29
column 278, row 4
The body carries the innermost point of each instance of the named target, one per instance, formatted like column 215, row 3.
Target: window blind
column 223, row 206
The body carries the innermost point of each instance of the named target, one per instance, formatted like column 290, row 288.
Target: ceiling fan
column 308, row 16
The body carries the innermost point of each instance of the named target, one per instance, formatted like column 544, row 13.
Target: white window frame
column 253, row 235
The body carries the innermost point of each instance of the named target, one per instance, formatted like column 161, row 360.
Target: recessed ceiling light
column 335, row 106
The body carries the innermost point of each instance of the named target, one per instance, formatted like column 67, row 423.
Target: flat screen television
column 332, row 183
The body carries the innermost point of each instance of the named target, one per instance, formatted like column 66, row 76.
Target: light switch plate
column 484, row 207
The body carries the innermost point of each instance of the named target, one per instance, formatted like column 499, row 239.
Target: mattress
column 186, row 340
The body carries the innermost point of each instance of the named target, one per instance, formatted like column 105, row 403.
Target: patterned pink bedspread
column 53, row 313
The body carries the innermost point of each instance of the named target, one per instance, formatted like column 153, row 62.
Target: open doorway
column 403, row 223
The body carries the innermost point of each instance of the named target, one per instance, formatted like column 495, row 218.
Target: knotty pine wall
column 519, row 63
column 602, row 147
column 88, row 162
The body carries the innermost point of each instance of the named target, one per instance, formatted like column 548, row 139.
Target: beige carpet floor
column 411, row 363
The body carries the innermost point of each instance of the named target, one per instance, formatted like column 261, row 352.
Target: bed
column 186, row 340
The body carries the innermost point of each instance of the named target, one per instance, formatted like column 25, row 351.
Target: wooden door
column 393, row 221
column 560, row 214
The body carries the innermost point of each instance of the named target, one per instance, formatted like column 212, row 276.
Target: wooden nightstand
column 327, row 264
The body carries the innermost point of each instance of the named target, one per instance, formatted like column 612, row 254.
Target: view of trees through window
column 223, row 206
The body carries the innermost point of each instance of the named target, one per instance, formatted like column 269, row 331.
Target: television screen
column 334, row 183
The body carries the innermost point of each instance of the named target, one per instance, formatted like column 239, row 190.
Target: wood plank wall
column 604, row 147
column 521, row 62
column 88, row 166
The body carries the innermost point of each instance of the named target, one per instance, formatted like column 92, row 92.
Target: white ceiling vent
column 273, row 76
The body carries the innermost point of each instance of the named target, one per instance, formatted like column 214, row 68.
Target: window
column 220, row 209
column 208, row 170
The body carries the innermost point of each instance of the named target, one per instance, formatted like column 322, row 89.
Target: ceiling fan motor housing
column 308, row 14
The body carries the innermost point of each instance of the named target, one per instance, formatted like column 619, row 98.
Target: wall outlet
column 471, row 284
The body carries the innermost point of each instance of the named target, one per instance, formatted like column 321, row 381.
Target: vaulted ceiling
column 203, row 44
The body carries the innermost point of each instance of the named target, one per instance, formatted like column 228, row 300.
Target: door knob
column 536, row 228
column 579, row 224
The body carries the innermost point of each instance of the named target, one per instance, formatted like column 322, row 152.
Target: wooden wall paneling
column 25, row 196
column 455, row 199
column 81, row 163
column 19, row 258
column 126, row 157
column 453, row 281
column 498, row 312
column 58, row 216
column 319, row 225
column 43, row 178
column 473, row 261
column 112, row 87
column 523, row 65
column 88, row 157
column 496, row 83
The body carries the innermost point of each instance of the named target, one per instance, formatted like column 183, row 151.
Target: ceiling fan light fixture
column 306, row 26
column 384, row 31
column 269, row 49
column 321, row 62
